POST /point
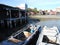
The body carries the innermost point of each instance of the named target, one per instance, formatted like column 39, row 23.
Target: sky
column 39, row 4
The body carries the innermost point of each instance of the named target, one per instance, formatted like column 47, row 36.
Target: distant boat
column 49, row 36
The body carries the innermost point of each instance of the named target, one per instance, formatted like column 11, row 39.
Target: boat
column 24, row 38
column 49, row 36
column 33, row 38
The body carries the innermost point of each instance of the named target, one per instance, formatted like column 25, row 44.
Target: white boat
column 49, row 36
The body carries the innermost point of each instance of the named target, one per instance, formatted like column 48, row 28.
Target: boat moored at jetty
column 24, row 38
column 49, row 36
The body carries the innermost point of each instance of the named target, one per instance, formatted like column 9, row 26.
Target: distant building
column 58, row 11
column 43, row 12
column 47, row 12
column 52, row 12
column 40, row 12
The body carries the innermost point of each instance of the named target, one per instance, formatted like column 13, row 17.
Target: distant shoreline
column 45, row 17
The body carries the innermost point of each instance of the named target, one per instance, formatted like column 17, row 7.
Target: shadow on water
column 33, row 20
column 6, row 32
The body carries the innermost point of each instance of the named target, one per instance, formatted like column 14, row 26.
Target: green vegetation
column 32, row 10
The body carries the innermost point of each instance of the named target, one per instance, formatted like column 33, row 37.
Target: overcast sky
column 40, row 4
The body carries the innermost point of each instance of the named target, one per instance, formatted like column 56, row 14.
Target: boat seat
column 32, row 39
column 21, row 36
column 50, row 31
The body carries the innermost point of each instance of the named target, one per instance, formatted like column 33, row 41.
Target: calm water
column 49, row 23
